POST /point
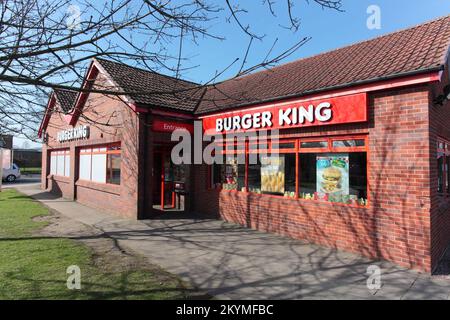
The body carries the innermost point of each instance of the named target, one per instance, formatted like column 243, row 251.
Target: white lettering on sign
column 286, row 117
column 172, row 127
column 81, row 132
column 247, row 121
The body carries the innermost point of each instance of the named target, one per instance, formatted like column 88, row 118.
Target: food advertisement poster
column 333, row 175
column 272, row 174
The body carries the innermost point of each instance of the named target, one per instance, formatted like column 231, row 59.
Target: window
column 100, row 164
column 272, row 174
column 334, row 177
column 230, row 176
column 441, row 171
column 447, row 168
column 285, row 145
column 330, row 169
column 348, row 143
column 440, row 166
column 60, row 163
column 313, row 144
column 443, row 166
column 113, row 168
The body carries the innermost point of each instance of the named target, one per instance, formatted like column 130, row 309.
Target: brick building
column 359, row 159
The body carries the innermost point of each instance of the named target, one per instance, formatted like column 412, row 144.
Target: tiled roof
column 149, row 88
column 66, row 98
column 422, row 47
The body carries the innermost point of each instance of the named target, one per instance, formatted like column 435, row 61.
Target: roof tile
column 422, row 47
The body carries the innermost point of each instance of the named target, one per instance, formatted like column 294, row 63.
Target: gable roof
column 66, row 99
column 421, row 48
column 148, row 88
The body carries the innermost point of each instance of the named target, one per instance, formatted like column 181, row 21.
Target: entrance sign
column 338, row 110
column 81, row 132
column 171, row 126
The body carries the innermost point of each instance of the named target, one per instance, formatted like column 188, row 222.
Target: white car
column 11, row 174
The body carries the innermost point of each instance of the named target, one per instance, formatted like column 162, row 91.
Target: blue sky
column 329, row 29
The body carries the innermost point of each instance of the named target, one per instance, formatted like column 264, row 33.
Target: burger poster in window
column 333, row 177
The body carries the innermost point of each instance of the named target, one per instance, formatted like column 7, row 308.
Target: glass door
column 167, row 183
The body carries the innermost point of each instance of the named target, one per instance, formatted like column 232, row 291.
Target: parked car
column 11, row 174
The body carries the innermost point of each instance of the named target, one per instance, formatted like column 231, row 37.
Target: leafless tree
column 46, row 44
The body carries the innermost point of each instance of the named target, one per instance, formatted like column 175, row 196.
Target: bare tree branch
column 47, row 44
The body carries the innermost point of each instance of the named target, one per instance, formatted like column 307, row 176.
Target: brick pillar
column 73, row 173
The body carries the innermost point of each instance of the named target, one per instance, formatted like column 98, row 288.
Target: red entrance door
column 163, row 181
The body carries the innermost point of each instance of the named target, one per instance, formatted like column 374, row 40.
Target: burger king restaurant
column 349, row 149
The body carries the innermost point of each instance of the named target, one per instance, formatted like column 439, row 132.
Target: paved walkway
column 231, row 262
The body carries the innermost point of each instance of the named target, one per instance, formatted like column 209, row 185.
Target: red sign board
column 170, row 126
column 295, row 114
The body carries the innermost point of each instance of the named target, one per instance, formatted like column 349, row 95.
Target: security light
column 439, row 100
column 447, row 92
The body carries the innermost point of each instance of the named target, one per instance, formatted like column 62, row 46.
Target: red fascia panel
column 345, row 109
column 160, row 125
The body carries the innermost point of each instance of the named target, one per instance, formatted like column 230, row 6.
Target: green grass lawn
column 31, row 170
column 34, row 267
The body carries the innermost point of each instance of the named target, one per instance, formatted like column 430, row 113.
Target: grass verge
column 34, row 266
column 37, row 170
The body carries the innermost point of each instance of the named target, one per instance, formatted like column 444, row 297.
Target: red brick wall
column 395, row 227
column 440, row 203
column 110, row 120
column 59, row 185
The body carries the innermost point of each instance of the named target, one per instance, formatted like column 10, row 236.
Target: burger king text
column 290, row 116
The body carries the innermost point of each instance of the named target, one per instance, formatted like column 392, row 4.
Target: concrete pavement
column 232, row 262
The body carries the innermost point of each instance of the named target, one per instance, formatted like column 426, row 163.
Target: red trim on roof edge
column 82, row 96
column 46, row 119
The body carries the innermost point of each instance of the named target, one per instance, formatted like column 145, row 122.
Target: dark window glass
column 334, row 177
column 113, row 162
column 289, row 163
column 348, row 143
column 448, row 173
column 284, row 145
column 254, row 174
column 217, row 175
column 230, row 175
column 307, row 173
column 314, row 144
column 358, row 174
column 441, row 170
